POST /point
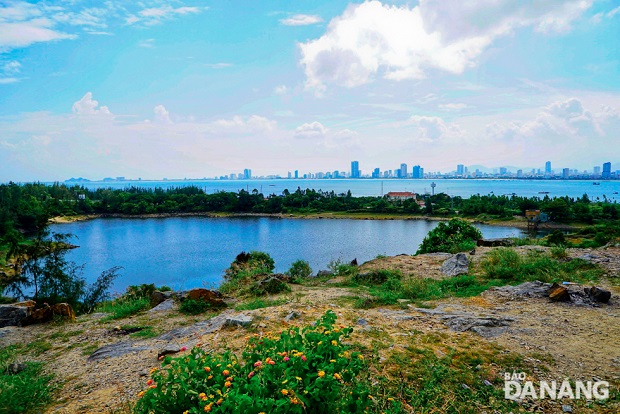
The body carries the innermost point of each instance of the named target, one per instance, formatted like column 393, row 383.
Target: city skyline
column 147, row 89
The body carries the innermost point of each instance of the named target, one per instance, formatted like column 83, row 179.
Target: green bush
column 556, row 238
column 27, row 391
column 124, row 307
column 452, row 237
column 376, row 277
column 243, row 273
column 300, row 269
column 194, row 307
column 305, row 370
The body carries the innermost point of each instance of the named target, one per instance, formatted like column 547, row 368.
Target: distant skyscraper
column 597, row 170
column 296, row 173
column 355, row 169
column 606, row 170
column 460, row 169
column 247, row 174
column 548, row 168
column 289, row 175
column 565, row 173
column 403, row 170
column 376, row 173
column 416, row 172
column 503, row 170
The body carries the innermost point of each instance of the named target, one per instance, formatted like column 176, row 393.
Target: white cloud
column 311, row 130
column 301, row 20
column 22, row 34
column 5, row 81
column 88, row 106
column 401, row 42
column 155, row 15
column 239, row 124
column 280, row 90
column 433, row 128
column 11, row 67
column 162, row 115
column 218, row 65
column 147, row 43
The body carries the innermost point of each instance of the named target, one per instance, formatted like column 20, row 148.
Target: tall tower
column 548, row 168
column 355, row 169
column 606, row 171
column 403, row 170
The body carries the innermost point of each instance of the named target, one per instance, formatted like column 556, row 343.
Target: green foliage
column 194, row 307
column 338, row 268
column 124, row 307
column 454, row 236
column 508, row 265
column 27, row 391
column 249, row 274
column 299, row 371
column 53, row 279
column 376, row 277
column 300, row 269
column 556, row 238
column 446, row 381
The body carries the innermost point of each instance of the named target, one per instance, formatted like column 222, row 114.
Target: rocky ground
column 568, row 340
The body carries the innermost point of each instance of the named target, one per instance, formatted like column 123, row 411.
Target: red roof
column 400, row 194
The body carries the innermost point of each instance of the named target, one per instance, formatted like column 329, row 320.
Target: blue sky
column 197, row 89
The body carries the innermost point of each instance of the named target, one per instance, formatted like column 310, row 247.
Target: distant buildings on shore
column 603, row 172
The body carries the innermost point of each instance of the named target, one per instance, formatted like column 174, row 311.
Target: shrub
column 337, row 268
column 300, row 269
column 124, row 307
column 452, row 237
column 194, row 307
column 299, row 371
column 556, row 238
column 245, row 271
column 376, row 277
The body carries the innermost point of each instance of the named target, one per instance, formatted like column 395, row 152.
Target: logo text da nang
column 516, row 387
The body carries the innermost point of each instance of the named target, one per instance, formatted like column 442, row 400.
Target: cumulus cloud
column 402, row 42
column 239, row 124
column 564, row 121
column 88, row 106
column 452, row 107
column 162, row 115
column 311, row 130
column 301, row 20
column 280, row 90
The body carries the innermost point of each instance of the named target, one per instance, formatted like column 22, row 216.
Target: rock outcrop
column 15, row 313
column 47, row 313
column 455, row 265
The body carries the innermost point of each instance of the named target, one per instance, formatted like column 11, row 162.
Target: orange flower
column 225, row 373
column 208, row 407
column 149, row 382
column 337, row 376
column 321, row 374
column 208, row 369
column 228, row 384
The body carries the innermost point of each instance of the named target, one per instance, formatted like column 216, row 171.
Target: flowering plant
column 298, row 371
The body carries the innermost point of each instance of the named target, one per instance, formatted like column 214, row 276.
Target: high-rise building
column 247, row 174
column 403, row 170
column 355, row 169
column 296, row 173
column 519, row 173
column 606, row 171
column 289, row 175
column 548, row 168
column 417, row 172
column 376, row 173
column 460, row 169
column 565, row 173
column 597, row 170
column 503, row 170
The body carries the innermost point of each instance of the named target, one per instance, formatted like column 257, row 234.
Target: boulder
column 168, row 350
column 116, row 350
column 598, row 294
column 16, row 368
column 158, row 297
column 238, row 320
column 166, row 305
column 455, row 265
column 559, row 293
column 323, row 273
column 271, row 284
column 15, row 313
column 48, row 313
column 291, row 316
column 212, row 297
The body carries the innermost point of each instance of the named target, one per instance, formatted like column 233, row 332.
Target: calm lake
column 188, row 252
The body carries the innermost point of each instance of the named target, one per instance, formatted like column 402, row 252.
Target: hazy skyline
column 193, row 89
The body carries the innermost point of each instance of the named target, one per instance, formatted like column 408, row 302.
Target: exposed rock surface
column 116, row 350
column 209, row 326
column 158, row 297
column 494, row 242
column 48, row 313
column 456, row 265
column 166, row 305
column 15, row 313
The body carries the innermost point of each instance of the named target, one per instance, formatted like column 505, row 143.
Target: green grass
column 260, row 303
column 25, row 392
column 436, row 374
column 195, row 307
column 501, row 267
column 123, row 307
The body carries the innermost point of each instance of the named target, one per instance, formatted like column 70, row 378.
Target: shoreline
column 520, row 224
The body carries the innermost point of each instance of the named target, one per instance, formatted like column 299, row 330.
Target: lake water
column 377, row 187
column 188, row 252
